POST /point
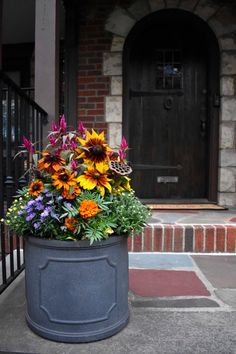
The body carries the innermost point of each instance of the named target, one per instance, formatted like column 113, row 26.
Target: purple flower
column 39, row 198
column 30, row 216
column 45, row 214
column 39, row 206
column 36, row 225
column 50, row 202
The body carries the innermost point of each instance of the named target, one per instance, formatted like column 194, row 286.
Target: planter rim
column 81, row 244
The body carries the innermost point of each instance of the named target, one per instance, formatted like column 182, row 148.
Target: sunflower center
column 64, row 178
column 96, row 175
column 52, row 158
column 97, row 149
column 35, row 187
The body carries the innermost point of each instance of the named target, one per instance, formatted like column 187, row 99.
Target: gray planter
column 76, row 292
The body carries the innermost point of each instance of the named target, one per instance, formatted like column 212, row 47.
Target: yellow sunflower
column 94, row 149
column 95, row 177
column 36, row 188
column 64, row 180
column 50, row 162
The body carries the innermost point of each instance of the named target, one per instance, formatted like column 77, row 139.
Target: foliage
column 79, row 189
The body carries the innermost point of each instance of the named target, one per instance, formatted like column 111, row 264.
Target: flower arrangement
column 78, row 189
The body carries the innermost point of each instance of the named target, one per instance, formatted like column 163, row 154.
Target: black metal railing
column 19, row 115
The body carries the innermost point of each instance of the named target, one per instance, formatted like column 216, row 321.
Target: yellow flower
column 64, row 180
column 95, row 178
column 94, row 149
column 88, row 209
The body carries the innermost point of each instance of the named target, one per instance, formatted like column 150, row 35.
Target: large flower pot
column 76, row 292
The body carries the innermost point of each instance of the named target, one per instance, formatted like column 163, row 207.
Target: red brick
column 100, row 105
column 220, row 238
column 85, row 80
column 178, row 239
column 96, row 111
column 82, row 112
column 129, row 244
column 138, row 243
column 199, row 237
column 231, row 238
column 158, row 239
column 209, row 232
column 95, row 99
column 147, row 239
column 97, row 86
column 103, row 93
column 87, row 93
column 168, row 232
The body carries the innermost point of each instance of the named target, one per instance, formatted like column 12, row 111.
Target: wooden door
column 167, row 116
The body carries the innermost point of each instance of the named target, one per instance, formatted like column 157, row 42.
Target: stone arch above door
column 222, row 21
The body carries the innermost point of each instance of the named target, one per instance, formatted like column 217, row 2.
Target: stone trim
column 185, row 238
column 221, row 20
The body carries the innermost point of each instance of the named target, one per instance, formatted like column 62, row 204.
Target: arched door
column 171, row 107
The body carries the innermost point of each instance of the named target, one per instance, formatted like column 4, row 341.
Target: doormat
column 185, row 207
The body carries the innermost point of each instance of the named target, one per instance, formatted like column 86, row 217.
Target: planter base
column 76, row 337
column 76, row 292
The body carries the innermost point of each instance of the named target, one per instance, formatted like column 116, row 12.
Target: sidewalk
column 179, row 303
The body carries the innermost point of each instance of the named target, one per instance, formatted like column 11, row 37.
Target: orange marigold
column 88, row 209
column 70, row 224
column 36, row 188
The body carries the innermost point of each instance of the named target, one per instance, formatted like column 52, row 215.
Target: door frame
column 213, row 78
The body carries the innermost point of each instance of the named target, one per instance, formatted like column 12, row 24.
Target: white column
column 47, row 57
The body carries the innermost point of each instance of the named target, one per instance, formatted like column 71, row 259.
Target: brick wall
column 93, row 86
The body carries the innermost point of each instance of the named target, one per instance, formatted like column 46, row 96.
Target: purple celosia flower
column 63, row 123
column 81, row 130
column 54, row 127
column 28, row 145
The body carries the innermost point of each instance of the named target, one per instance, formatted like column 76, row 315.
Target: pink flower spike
column 52, row 140
column 28, row 145
column 123, row 144
column 122, row 155
column 63, row 123
column 73, row 165
column 73, row 145
column 54, row 127
column 64, row 147
column 81, row 129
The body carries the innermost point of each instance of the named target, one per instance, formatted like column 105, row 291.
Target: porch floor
column 201, row 320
